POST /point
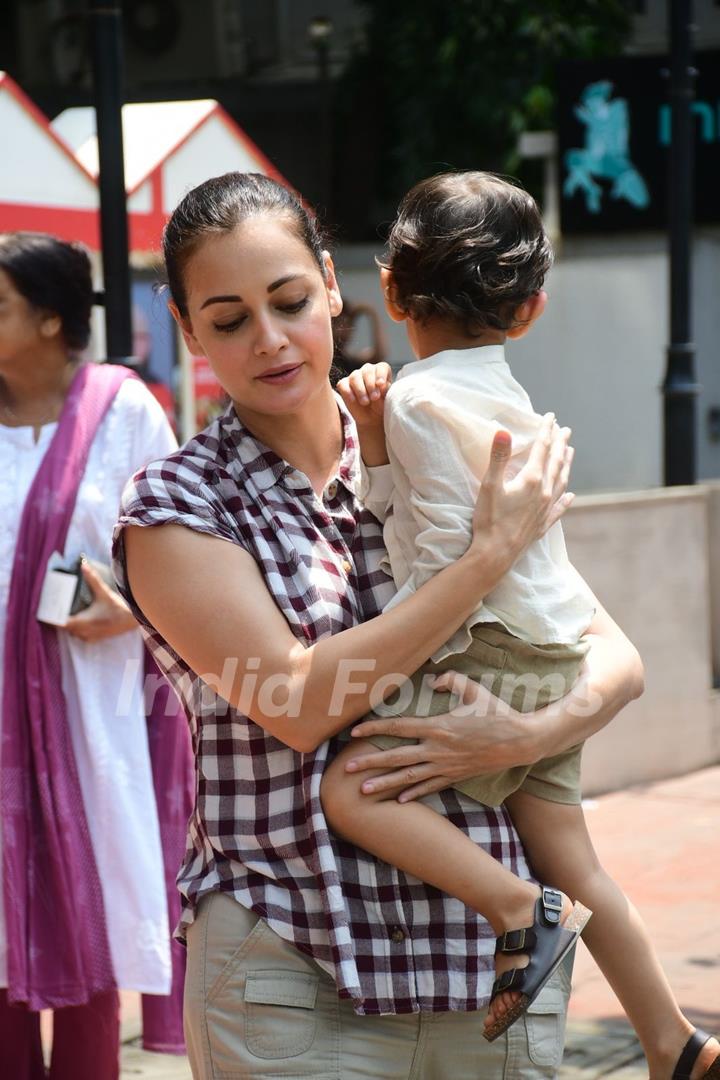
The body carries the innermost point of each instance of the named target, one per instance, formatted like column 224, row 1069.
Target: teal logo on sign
column 606, row 153
column 614, row 132
column 708, row 130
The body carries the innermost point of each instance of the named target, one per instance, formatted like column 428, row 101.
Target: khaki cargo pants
column 257, row 1007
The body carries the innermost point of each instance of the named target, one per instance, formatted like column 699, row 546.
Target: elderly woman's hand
column 107, row 616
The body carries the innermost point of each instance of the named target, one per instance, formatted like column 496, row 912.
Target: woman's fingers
column 556, row 461
column 452, row 682
column 500, row 453
column 540, row 450
column 428, row 787
column 473, row 699
column 561, row 498
column 398, row 780
column 403, row 727
column 563, row 477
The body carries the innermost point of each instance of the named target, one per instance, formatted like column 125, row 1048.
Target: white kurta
column 102, row 682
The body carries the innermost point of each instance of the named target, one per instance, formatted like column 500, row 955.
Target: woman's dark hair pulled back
column 220, row 205
column 53, row 275
column 468, row 246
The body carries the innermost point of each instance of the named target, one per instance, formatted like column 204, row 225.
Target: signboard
column 210, row 398
column 614, row 130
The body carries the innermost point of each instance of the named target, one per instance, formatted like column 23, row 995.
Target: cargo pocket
column 545, row 1025
column 280, row 1019
column 485, row 663
column 488, row 656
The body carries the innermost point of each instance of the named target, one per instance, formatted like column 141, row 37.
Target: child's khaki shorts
column 527, row 677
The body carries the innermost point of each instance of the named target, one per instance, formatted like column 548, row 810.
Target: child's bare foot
column 505, row 962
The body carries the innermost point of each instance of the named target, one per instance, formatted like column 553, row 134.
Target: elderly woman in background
column 83, row 906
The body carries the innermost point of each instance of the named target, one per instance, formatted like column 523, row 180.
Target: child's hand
column 363, row 392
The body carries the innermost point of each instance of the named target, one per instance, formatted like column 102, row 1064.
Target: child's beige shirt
column 441, row 414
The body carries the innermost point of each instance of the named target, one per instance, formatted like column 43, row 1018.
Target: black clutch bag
column 83, row 596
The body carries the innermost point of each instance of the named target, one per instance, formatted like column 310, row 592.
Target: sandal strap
column 525, row 939
column 513, row 941
column 552, row 905
column 690, row 1054
column 509, row 980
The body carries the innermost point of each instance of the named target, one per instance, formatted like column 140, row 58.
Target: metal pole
column 107, row 60
column 680, row 388
column 320, row 31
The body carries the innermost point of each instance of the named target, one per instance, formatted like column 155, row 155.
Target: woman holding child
column 249, row 554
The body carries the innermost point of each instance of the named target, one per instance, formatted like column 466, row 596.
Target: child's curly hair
column 468, row 246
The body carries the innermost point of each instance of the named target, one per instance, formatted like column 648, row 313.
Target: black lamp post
column 680, row 388
column 107, row 62
column 319, row 32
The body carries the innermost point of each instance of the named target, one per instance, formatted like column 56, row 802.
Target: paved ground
column 661, row 843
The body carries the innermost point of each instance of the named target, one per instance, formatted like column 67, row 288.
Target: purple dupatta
column 58, row 949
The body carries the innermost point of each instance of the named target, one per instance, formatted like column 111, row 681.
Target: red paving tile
column 660, row 843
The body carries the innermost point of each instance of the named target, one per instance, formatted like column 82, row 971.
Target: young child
column 467, row 257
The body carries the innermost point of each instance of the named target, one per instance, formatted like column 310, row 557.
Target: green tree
column 453, row 83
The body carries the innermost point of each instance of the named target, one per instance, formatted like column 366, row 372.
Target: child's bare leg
column 421, row 842
column 560, row 850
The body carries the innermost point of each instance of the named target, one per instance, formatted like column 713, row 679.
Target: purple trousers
column 171, row 757
column 85, row 1046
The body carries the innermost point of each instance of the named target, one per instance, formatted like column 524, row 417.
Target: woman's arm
column 210, row 602
column 484, row 736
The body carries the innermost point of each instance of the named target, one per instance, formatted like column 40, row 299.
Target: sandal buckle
column 552, row 904
column 512, row 941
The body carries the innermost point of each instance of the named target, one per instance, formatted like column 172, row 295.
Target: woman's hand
column 511, row 514
column 107, row 616
column 363, row 392
column 479, row 735
column 483, row 735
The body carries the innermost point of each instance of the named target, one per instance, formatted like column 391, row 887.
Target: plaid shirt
column 391, row 943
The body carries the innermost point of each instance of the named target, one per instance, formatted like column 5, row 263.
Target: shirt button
column 331, row 490
column 347, row 566
column 397, row 936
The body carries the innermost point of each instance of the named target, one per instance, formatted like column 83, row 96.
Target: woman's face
column 259, row 309
column 22, row 327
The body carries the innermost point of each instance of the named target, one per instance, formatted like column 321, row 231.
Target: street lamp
column 319, row 33
column 680, row 388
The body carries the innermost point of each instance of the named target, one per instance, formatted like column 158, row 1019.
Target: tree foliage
column 454, row 82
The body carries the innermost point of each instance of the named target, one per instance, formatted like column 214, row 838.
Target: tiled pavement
column 660, row 842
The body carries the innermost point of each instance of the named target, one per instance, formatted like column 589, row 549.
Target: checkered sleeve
column 172, row 491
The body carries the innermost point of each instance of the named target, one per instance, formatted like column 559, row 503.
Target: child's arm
column 364, row 392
